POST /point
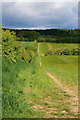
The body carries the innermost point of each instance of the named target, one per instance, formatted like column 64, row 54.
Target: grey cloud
column 45, row 14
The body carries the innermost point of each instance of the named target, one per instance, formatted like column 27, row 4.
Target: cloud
column 40, row 0
column 40, row 14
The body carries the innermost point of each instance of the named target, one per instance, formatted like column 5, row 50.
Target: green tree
column 31, row 35
column 11, row 48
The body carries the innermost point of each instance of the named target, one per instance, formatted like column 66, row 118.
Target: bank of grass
column 29, row 93
column 26, row 85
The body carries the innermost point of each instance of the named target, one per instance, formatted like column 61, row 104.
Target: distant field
column 45, row 46
column 63, row 67
column 27, row 43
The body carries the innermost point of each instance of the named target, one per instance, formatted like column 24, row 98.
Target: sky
column 40, row 15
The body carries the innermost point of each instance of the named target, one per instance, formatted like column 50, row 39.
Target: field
column 31, row 89
column 63, row 67
column 52, row 46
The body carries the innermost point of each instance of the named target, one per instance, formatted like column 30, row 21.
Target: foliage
column 48, row 38
column 12, row 49
column 0, row 72
column 31, row 49
column 75, row 51
column 31, row 35
column 12, row 92
column 63, row 51
column 41, row 39
column 49, row 35
column 67, row 39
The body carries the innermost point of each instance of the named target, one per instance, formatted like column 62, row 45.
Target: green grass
column 57, row 45
column 45, row 46
column 22, row 83
column 27, row 43
column 65, row 68
column 26, row 85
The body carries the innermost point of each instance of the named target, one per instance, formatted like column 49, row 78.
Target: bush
column 63, row 51
column 41, row 39
column 13, row 49
column 75, row 51
column 31, row 35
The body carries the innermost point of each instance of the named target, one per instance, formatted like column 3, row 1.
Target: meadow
column 63, row 67
column 28, row 91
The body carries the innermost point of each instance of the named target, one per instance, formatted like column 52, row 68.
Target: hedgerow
column 12, row 49
column 63, row 51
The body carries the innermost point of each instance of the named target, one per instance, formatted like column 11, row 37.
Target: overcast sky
column 40, row 15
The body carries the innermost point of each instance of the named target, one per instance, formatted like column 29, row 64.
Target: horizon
column 39, row 28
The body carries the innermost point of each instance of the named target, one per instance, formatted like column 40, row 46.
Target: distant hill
column 60, row 35
column 51, row 32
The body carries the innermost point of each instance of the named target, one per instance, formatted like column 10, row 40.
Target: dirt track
column 73, row 98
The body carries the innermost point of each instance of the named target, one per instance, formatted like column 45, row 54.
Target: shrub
column 13, row 49
column 75, row 51
column 31, row 35
column 41, row 39
column 63, row 51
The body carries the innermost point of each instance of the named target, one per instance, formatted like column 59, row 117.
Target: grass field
column 63, row 67
column 29, row 91
column 52, row 46
column 27, row 43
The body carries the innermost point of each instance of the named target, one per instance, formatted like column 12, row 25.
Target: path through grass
column 65, row 68
column 29, row 91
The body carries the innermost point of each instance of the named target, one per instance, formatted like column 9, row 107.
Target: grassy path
column 65, row 88
column 68, row 91
column 31, row 91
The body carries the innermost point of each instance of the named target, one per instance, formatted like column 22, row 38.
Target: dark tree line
column 49, row 35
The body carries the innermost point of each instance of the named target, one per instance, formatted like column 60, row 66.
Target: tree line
column 48, row 35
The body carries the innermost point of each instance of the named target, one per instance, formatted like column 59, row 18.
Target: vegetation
column 63, row 51
column 49, row 35
column 31, row 93
column 27, row 90
column 65, row 67
column 0, row 72
column 13, row 50
column 31, row 35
